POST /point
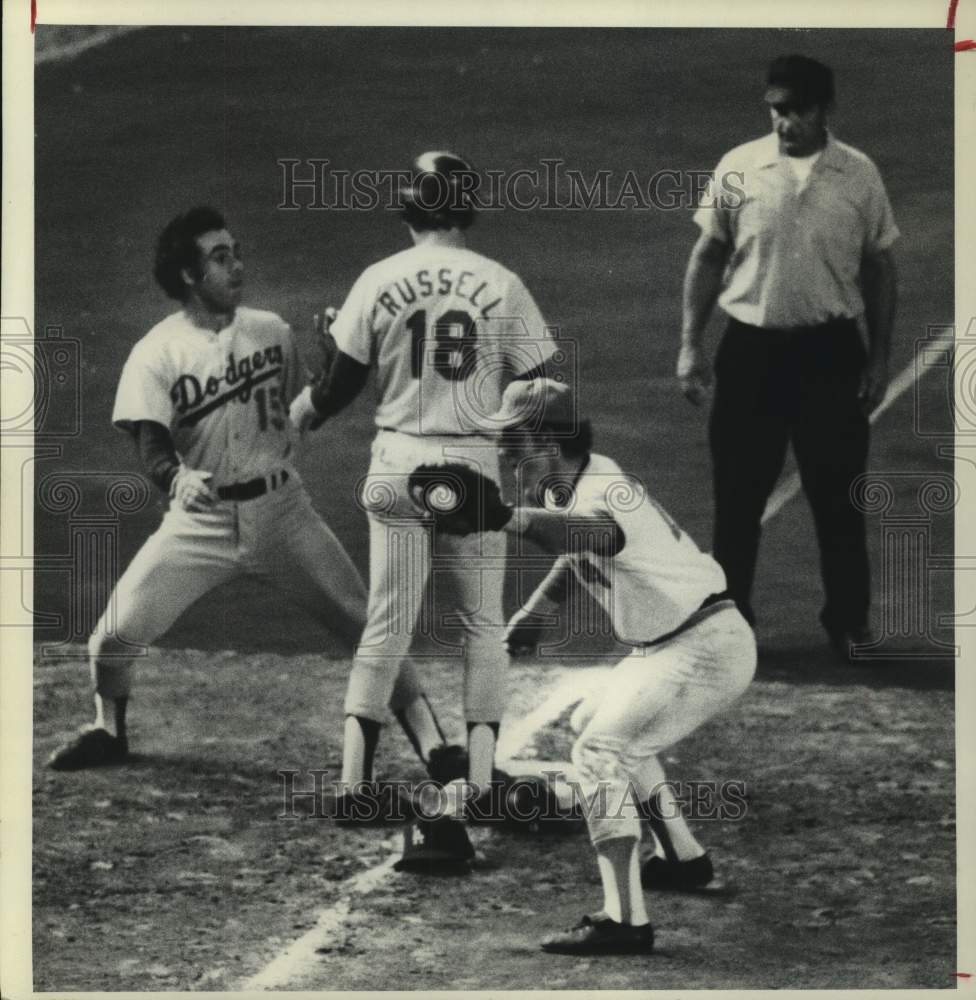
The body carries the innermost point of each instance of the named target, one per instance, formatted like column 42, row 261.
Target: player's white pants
column 653, row 698
column 277, row 537
column 402, row 556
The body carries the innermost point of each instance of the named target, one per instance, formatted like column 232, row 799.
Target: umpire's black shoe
column 599, row 935
column 677, row 876
column 90, row 748
column 369, row 804
column 444, row 848
column 843, row 642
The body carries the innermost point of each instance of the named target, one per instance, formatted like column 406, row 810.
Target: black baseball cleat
column 369, row 804
column 599, row 935
column 90, row 748
column 677, row 876
column 447, row 762
column 530, row 805
column 444, row 848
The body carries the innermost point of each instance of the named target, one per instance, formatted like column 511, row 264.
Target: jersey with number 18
column 447, row 329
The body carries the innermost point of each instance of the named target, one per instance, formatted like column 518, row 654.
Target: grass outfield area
column 176, row 872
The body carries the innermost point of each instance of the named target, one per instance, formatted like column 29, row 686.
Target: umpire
column 795, row 247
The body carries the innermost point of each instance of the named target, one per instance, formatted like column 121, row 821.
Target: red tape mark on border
column 964, row 975
column 964, row 46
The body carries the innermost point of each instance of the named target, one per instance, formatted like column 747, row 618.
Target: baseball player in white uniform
column 205, row 395
column 446, row 329
column 693, row 652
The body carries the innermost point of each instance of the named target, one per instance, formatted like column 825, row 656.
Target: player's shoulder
column 602, row 465
column 394, row 263
column 160, row 338
column 601, row 477
column 261, row 319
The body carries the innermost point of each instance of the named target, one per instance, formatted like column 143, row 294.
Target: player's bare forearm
column 563, row 533
column 541, row 370
column 879, row 280
column 528, row 624
column 702, row 285
column 157, row 453
column 552, row 591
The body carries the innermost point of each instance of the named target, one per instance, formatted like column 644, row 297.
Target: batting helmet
column 440, row 193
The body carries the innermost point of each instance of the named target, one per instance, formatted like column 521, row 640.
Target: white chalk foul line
column 902, row 382
column 299, row 960
column 302, row 955
column 74, row 46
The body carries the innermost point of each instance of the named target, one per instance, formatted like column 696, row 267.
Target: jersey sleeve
column 144, row 389
column 532, row 342
column 352, row 328
column 881, row 230
column 712, row 215
column 592, row 495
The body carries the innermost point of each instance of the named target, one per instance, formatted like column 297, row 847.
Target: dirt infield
column 177, row 872
column 180, row 872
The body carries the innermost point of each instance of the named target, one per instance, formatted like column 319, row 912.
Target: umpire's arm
column 702, row 285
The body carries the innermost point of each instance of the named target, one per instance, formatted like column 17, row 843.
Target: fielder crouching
column 693, row 652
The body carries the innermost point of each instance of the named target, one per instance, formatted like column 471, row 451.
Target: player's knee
column 741, row 663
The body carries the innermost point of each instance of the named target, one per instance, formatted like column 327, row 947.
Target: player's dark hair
column 440, row 193
column 177, row 250
column 811, row 82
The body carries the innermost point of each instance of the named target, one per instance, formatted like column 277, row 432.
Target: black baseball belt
column 253, row 488
column 712, row 604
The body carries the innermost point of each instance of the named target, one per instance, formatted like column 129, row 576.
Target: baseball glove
column 326, row 348
column 458, row 499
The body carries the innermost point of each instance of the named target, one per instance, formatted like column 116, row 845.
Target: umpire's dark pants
column 799, row 385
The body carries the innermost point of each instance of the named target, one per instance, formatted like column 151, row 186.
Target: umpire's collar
column 832, row 156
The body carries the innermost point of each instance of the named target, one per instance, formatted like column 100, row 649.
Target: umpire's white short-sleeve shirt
column 796, row 254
